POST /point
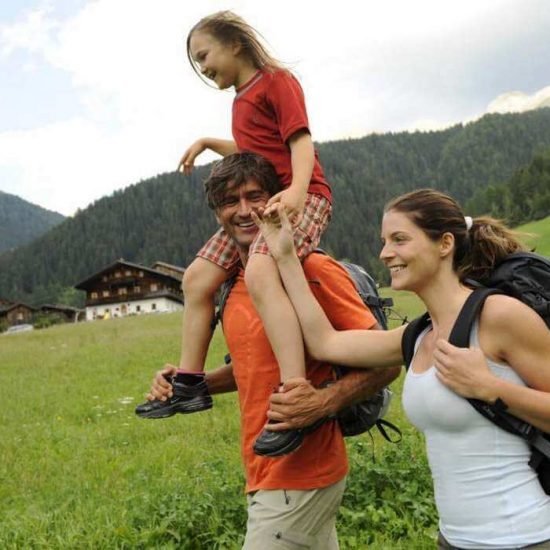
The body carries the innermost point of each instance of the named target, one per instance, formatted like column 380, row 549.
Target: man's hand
column 162, row 389
column 297, row 406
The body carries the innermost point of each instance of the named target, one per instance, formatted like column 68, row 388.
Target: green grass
column 79, row 470
column 541, row 239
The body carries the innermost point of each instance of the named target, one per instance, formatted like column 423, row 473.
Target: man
column 293, row 500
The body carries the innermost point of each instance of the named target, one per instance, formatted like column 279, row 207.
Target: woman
column 486, row 494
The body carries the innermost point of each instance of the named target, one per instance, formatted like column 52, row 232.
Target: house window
column 19, row 316
column 153, row 307
column 105, row 293
column 128, row 273
column 141, row 273
column 117, row 274
column 122, row 290
column 138, row 308
column 154, row 287
column 104, row 279
column 137, row 289
column 93, row 295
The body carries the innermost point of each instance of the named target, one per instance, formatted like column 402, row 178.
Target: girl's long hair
column 229, row 29
column 478, row 249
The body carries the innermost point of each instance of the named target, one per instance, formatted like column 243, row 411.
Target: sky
column 97, row 95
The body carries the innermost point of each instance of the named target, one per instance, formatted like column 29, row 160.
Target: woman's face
column 412, row 258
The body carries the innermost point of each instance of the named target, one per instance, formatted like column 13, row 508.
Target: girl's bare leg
column 200, row 282
column 277, row 313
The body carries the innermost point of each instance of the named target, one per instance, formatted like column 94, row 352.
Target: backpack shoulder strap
column 225, row 290
column 460, row 337
column 460, row 334
column 412, row 331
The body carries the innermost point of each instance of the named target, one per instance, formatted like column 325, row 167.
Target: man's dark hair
column 237, row 169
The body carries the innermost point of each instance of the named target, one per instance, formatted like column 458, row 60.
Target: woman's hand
column 276, row 230
column 465, row 371
column 293, row 200
column 187, row 161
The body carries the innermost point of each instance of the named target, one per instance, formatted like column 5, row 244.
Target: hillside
column 165, row 217
column 541, row 235
column 524, row 197
column 22, row 221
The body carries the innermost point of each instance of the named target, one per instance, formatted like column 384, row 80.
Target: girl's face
column 217, row 62
column 411, row 256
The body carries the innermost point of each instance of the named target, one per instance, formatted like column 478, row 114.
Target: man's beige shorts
column 293, row 520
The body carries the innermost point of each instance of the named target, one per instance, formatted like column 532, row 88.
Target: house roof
column 169, row 266
column 60, row 307
column 9, row 307
column 83, row 285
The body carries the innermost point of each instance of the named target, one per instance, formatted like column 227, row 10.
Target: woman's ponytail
column 490, row 241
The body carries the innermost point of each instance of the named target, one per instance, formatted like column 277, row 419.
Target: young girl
column 269, row 118
column 486, row 493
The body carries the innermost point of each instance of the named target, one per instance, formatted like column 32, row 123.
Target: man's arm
column 221, row 380
column 301, row 404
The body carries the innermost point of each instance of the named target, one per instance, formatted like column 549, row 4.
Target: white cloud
column 365, row 66
column 508, row 102
column 32, row 33
column 519, row 102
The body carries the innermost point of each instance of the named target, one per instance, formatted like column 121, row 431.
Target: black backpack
column 522, row 275
column 360, row 417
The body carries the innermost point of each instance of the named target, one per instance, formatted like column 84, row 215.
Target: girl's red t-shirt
column 267, row 111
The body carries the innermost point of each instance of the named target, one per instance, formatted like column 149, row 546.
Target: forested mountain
column 366, row 173
column 523, row 198
column 166, row 218
column 21, row 221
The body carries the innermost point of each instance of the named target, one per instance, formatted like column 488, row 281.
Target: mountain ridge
column 165, row 217
column 22, row 221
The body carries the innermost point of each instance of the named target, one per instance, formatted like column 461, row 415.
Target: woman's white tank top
column 486, row 494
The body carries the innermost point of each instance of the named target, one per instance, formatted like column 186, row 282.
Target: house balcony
column 134, row 296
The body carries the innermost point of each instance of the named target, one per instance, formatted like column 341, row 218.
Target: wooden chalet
column 16, row 313
column 125, row 288
column 174, row 270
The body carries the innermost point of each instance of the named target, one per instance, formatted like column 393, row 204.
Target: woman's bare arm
column 354, row 348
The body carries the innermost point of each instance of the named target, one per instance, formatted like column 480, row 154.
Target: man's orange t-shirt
column 321, row 460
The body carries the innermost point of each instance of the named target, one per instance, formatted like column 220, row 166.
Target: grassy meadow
column 540, row 239
column 79, row 470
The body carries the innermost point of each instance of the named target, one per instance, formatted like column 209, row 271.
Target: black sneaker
column 186, row 398
column 273, row 444
column 270, row 443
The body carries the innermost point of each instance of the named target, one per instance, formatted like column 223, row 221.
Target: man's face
column 233, row 211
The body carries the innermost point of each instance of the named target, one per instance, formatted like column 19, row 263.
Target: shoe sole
column 290, row 448
column 295, row 444
column 168, row 411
